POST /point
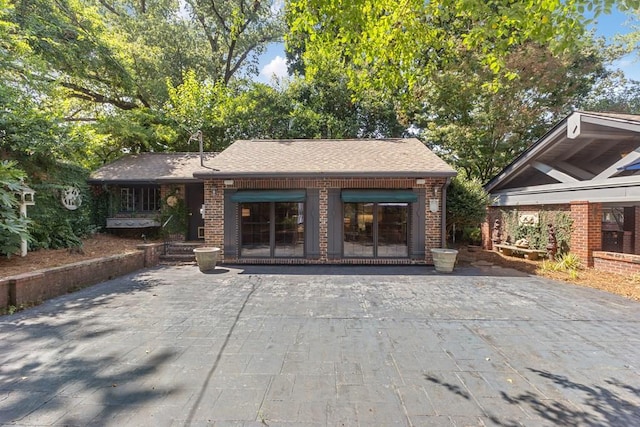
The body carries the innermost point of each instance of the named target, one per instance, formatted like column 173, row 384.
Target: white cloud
column 277, row 67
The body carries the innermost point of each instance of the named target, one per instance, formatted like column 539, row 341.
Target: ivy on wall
column 52, row 224
column 174, row 217
column 537, row 234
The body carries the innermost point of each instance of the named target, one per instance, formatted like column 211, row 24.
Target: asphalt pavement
column 323, row 346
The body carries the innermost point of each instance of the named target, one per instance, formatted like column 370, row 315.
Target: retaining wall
column 613, row 262
column 36, row 286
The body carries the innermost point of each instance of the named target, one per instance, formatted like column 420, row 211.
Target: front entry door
column 195, row 200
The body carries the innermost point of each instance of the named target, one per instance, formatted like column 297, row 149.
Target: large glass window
column 376, row 230
column 256, row 236
column 272, row 229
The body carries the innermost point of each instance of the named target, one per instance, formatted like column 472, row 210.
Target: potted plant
column 444, row 259
column 206, row 258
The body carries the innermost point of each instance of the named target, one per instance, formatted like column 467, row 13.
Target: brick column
column 214, row 214
column 486, row 227
column 433, row 220
column 586, row 235
column 324, row 229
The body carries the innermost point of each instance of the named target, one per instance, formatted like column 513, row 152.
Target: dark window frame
column 139, row 199
column 376, row 234
column 272, row 232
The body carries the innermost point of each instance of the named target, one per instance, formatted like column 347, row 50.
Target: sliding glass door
column 376, row 230
column 272, row 229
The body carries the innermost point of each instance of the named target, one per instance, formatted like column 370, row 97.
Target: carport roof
column 586, row 156
column 326, row 157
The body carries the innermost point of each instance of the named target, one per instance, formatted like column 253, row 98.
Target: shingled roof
column 327, row 157
column 149, row 168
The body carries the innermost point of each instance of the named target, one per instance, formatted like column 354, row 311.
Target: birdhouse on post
column 27, row 198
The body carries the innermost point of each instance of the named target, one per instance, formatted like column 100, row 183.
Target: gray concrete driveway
column 324, row 346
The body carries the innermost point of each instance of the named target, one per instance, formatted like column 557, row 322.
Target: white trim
column 576, row 171
column 553, row 173
column 612, row 190
column 614, row 168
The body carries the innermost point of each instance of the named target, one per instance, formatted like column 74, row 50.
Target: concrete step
column 182, row 247
column 178, row 259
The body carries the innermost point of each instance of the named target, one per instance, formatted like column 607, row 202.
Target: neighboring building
column 587, row 166
column 306, row 201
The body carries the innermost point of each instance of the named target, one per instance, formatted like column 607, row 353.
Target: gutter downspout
column 443, row 226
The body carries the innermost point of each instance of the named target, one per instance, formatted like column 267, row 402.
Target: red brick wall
column 495, row 212
column 324, row 221
column 214, row 215
column 612, row 262
column 587, row 230
column 36, row 286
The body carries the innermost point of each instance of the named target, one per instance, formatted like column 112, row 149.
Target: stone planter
column 206, row 258
column 444, row 259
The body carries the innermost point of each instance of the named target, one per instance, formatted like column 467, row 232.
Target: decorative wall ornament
column 528, row 219
column 172, row 201
column 71, row 198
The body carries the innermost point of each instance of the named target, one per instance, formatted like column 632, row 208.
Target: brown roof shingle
column 151, row 167
column 333, row 157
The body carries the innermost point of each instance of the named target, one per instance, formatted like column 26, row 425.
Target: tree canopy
column 85, row 81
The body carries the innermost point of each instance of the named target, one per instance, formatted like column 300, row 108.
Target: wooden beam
column 575, row 171
column 613, row 169
column 553, row 173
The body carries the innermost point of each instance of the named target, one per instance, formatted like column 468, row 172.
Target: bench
column 511, row 250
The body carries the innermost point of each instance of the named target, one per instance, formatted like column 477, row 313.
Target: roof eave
column 157, row 181
column 376, row 174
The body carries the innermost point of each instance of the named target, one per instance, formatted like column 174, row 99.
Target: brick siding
column 586, row 235
column 495, row 212
column 34, row 287
column 214, row 212
column 612, row 262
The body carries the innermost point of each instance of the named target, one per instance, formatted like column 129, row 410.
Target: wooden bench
column 511, row 250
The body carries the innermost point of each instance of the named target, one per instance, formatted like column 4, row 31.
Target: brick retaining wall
column 36, row 286
column 612, row 262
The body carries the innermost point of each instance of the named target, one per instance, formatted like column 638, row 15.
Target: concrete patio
column 323, row 346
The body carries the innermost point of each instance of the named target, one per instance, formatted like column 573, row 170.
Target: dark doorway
column 195, row 200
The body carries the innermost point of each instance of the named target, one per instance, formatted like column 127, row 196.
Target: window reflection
column 376, row 230
column 260, row 239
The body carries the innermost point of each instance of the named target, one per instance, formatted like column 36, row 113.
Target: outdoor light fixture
column 228, row 182
column 420, row 181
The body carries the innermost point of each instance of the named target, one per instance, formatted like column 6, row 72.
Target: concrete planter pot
column 444, row 259
column 206, row 258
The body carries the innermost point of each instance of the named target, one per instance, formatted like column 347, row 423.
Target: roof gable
column 584, row 150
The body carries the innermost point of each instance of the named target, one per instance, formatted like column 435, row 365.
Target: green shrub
column 537, row 234
column 53, row 225
column 467, row 205
column 13, row 227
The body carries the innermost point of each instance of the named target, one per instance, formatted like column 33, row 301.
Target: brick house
column 586, row 168
column 138, row 184
column 292, row 201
